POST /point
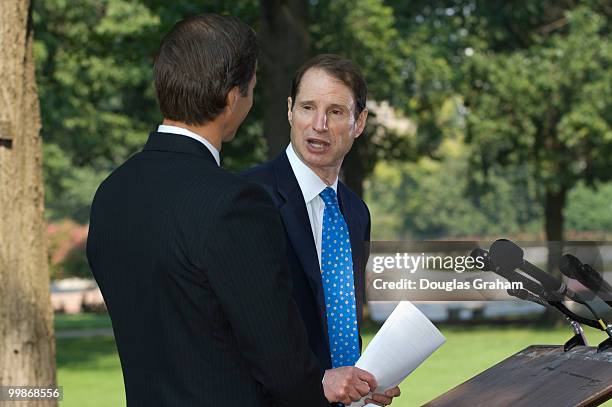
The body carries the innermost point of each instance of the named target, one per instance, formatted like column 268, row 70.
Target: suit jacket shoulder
column 189, row 260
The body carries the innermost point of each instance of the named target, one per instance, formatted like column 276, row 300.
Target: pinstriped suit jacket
column 190, row 261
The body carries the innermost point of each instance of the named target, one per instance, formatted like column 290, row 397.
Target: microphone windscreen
column 569, row 265
column 506, row 254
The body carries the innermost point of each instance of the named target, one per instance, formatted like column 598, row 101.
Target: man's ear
column 361, row 122
column 289, row 113
column 232, row 98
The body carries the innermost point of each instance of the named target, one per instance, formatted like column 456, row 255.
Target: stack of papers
column 404, row 341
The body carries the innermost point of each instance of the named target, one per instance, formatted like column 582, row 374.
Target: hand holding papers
column 404, row 341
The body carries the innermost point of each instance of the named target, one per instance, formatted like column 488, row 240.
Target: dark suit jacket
column 278, row 179
column 189, row 260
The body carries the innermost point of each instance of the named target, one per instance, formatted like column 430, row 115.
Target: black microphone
column 508, row 274
column 572, row 267
column 571, row 316
column 539, row 293
column 527, row 296
column 509, row 255
column 482, row 254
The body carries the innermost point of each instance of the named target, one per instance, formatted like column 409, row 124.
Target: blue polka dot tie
column 338, row 284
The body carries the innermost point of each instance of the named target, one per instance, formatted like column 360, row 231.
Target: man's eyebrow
column 331, row 106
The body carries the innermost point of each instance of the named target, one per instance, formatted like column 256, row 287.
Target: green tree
column 432, row 199
column 94, row 70
column 547, row 107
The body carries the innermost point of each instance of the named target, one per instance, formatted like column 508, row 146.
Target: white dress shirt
column 182, row 131
column 311, row 186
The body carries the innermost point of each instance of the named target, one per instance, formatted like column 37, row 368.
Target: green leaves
column 547, row 104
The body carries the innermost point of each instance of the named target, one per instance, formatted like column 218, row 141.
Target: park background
column 487, row 119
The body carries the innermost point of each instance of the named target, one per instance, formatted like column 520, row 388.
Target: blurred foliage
column 67, row 258
column 549, row 105
column 432, row 199
column 94, row 72
column 588, row 210
column 506, row 100
column 534, row 81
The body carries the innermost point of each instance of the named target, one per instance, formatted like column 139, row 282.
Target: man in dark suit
column 189, row 256
column 327, row 225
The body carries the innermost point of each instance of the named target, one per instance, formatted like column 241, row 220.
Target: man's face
column 323, row 124
column 240, row 109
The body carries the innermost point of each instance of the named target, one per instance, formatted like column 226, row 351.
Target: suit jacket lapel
column 357, row 240
column 345, row 208
column 295, row 217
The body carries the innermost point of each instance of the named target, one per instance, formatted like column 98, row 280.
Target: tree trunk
column 285, row 46
column 553, row 212
column 355, row 166
column 27, row 345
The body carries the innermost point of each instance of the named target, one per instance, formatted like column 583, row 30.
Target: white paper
column 404, row 341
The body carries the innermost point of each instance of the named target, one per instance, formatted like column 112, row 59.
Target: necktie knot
column 328, row 195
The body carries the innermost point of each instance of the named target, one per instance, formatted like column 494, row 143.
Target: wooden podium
column 538, row 376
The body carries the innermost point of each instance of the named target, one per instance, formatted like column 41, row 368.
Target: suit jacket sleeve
column 247, row 271
column 367, row 246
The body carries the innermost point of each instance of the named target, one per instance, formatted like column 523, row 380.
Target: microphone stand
column 579, row 339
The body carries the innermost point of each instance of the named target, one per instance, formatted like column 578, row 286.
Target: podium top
column 541, row 376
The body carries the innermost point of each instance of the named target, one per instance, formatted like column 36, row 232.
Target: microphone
column 509, row 255
column 572, row 267
column 484, row 255
column 538, row 293
column 508, row 274
column 527, row 296
column 558, row 305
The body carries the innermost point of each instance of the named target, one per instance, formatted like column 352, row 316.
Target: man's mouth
column 317, row 144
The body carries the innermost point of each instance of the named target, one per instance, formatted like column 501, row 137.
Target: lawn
column 89, row 370
column 81, row 321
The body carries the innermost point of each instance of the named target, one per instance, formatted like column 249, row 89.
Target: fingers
column 380, row 399
column 357, row 388
column 366, row 377
column 347, row 384
column 362, row 388
column 384, row 399
column 353, row 396
column 394, row 392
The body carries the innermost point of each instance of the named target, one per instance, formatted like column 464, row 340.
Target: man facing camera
column 327, row 225
column 188, row 256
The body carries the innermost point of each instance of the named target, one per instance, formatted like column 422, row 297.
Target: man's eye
column 307, row 107
column 336, row 112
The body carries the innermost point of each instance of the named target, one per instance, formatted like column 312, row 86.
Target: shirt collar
column 309, row 182
column 163, row 128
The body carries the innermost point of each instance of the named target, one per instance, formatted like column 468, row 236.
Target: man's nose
column 320, row 122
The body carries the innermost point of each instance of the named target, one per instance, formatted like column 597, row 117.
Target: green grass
column 81, row 321
column 90, row 373
column 89, row 369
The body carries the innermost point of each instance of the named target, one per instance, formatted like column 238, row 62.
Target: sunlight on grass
column 90, row 372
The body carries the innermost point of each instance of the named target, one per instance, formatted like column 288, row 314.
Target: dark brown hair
column 340, row 68
column 199, row 61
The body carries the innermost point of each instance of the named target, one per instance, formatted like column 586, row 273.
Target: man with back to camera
column 189, row 256
column 327, row 225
